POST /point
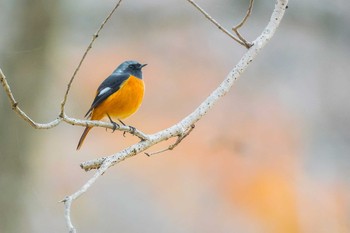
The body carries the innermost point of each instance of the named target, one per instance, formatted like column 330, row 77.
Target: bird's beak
column 143, row 65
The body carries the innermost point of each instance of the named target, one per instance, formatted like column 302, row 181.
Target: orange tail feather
column 83, row 136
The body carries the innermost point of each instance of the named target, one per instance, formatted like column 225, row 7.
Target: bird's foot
column 132, row 129
column 115, row 125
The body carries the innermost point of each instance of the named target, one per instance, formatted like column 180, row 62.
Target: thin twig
column 20, row 112
column 183, row 136
column 249, row 11
column 7, row 88
column 235, row 29
column 85, row 53
column 215, row 22
column 172, row 146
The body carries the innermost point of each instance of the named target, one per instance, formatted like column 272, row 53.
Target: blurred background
column 271, row 156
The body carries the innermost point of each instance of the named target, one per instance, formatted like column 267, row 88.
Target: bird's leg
column 121, row 122
column 132, row 129
column 115, row 125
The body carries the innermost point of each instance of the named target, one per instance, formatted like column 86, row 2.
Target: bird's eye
column 132, row 66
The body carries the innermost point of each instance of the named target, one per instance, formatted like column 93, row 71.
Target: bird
column 118, row 96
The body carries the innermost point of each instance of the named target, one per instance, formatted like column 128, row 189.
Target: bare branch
column 94, row 37
column 8, row 90
column 172, row 146
column 20, row 112
column 235, row 29
column 215, row 22
column 249, row 11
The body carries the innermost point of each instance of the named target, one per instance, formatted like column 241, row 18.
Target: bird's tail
column 83, row 136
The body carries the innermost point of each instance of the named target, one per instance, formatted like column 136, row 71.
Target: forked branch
column 239, row 39
column 20, row 112
column 177, row 142
column 235, row 29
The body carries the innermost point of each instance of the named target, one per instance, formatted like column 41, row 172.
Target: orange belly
column 123, row 102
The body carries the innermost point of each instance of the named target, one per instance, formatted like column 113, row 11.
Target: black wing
column 109, row 86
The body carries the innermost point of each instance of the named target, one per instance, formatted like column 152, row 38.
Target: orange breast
column 122, row 103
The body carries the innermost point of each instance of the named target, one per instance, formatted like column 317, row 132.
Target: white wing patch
column 104, row 90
